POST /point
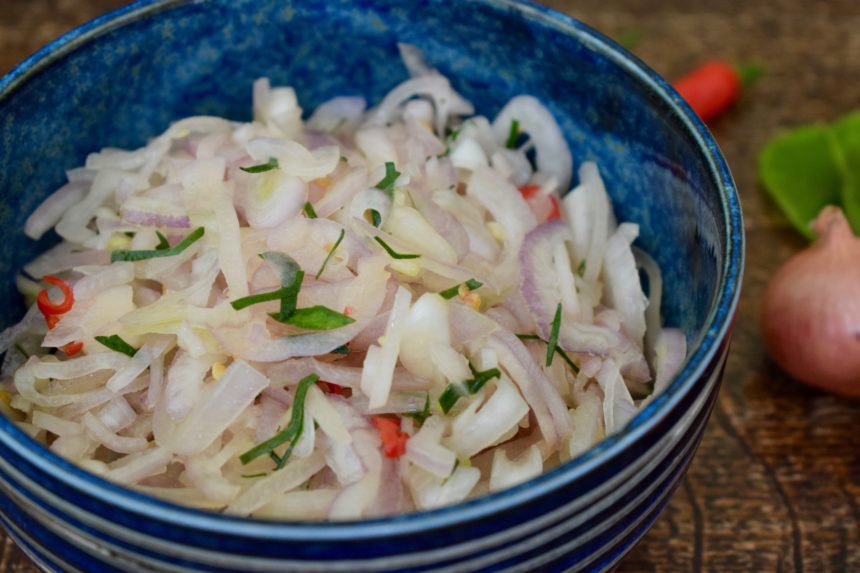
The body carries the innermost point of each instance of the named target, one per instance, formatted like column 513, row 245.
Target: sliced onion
column 553, row 154
column 336, row 114
column 425, row 450
column 294, row 159
column 507, row 473
column 538, row 391
column 379, row 363
column 472, row 432
column 140, row 362
column 354, row 500
column 273, row 198
column 430, row 491
column 670, row 350
column 117, row 415
column 102, row 434
column 621, row 279
column 618, row 406
column 445, row 99
column 53, row 208
column 342, row 191
column 138, row 466
column 185, row 379
column 218, row 407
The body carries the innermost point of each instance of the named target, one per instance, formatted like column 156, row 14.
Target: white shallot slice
column 53, row 208
column 623, row 290
column 219, row 406
column 296, row 472
column 474, row 431
column 507, row 473
column 103, row 435
column 425, row 450
column 552, row 153
column 138, row 466
column 379, row 363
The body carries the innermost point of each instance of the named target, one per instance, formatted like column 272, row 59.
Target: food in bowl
column 365, row 313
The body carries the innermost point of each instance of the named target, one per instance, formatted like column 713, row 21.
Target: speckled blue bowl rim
column 715, row 329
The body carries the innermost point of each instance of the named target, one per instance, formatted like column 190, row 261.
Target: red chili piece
column 72, row 348
column 332, row 388
column 393, row 440
column 50, row 309
column 711, row 88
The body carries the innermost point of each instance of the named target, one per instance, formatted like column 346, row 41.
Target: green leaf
column 155, row 253
column 386, row 185
column 800, row 171
column 315, row 318
column 847, row 134
column 392, row 253
column 115, row 342
column 272, row 163
column 291, row 433
column 558, row 350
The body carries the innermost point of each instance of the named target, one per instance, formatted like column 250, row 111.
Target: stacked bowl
column 124, row 77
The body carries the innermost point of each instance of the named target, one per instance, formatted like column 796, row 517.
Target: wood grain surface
column 776, row 483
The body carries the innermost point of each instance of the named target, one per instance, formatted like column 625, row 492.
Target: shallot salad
column 361, row 313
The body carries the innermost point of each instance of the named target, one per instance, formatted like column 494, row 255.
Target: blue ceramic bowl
column 124, row 77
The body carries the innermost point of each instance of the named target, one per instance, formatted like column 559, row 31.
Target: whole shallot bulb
column 811, row 314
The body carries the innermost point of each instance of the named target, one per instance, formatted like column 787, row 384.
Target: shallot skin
column 811, row 314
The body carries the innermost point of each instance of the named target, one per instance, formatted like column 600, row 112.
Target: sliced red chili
column 72, row 348
column 50, row 309
column 529, row 191
column 332, row 388
column 554, row 213
column 393, row 440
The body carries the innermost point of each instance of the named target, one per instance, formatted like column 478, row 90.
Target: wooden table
column 776, row 483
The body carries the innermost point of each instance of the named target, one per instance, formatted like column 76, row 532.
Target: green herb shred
column 375, row 218
column 115, row 342
column 330, row 253
column 163, row 243
column 453, row 392
column 558, row 350
column 155, row 253
column 450, row 293
column 553, row 336
column 342, row 349
column 392, row 253
column 513, row 134
column 386, row 185
column 448, row 398
column 271, row 164
column 580, row 270
column 309, row 210
column 291, row 433
column 315, row 318
column 256, row 475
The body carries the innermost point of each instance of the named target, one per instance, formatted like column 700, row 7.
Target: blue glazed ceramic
column 124, row 77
